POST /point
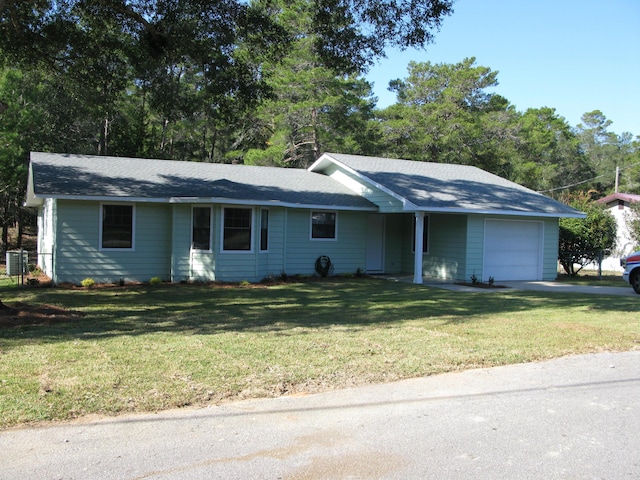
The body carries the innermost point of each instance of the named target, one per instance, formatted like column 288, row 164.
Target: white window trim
column 314, row 239
column 253, row 229
column 133, row 227
column 210, row 250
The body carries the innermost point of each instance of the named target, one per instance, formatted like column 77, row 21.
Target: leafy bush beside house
column 582, row 241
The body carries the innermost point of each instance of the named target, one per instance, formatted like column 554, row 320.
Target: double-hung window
column 116, row 226
column 236, row 230
column 323, row 225
column 201, row 229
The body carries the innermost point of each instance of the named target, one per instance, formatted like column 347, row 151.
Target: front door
column 375, row 244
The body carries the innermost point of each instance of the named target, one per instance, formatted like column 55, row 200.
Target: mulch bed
column 480, row 285
column 22, row 314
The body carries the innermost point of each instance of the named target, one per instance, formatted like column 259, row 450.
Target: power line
column 585, row 181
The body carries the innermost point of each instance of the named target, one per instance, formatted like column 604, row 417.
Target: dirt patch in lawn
column 21, row 314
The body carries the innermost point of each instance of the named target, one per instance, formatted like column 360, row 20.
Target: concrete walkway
column 573, row 417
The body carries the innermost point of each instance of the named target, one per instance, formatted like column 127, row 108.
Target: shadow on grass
column 206, row 310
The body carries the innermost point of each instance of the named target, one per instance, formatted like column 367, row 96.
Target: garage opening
column 512, row 250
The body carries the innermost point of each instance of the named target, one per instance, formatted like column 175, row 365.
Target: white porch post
column 417, row 263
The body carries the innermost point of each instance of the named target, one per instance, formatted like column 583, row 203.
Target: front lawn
column 591, row 277
column 147, row 348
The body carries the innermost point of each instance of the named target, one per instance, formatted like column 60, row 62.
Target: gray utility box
column 16, row 266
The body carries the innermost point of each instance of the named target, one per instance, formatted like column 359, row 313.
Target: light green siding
column 445, row 258
column 396, row 243
column 180, row 242
column 69, row 245
column 550, row 249
column 385, row 202
column 475, row 246
column 347, row 252
column 78, row 254
column 447, row 242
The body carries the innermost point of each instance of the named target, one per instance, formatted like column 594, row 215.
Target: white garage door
column 512, row 250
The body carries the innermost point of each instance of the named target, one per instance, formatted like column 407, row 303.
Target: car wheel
column 635, row 281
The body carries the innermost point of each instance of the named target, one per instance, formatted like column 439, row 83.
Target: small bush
column 155, row 281
column 88, row 282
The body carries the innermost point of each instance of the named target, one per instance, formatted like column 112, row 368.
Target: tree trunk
column 5, row 236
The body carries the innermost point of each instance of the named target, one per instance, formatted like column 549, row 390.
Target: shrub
column 155, row 281
column 88, row 282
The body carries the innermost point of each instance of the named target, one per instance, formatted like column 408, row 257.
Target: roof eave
column 37, row 200
column 518, row 213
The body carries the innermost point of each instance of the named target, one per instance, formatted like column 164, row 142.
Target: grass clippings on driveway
column 148, row 348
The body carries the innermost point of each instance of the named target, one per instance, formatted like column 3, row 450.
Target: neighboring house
column 619, row 206
column 112, row 218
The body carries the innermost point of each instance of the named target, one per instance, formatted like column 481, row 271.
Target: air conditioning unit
column 16, row 265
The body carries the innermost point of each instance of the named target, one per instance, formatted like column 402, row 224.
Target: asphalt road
column 577, row 417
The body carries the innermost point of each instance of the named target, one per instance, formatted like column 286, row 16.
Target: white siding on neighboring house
column 624, row 243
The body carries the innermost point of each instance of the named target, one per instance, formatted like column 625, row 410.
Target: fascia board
column 232, row 201
column 498, row 212
column 190, row 200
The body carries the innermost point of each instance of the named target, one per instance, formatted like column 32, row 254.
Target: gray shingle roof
column 62, row 175
column 449, row 187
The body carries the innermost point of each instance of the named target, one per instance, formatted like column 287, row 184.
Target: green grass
column 591, row 277
column 148, row 348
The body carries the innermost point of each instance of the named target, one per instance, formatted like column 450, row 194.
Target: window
column 264, row 230
column 117, row 226
column 236, row 233
column 425, row 235
column 323, row 225
column 201, row 230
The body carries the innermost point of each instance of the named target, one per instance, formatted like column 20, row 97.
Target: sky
column 572, row 55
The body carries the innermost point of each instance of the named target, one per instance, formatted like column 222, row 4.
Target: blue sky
column 572, row 55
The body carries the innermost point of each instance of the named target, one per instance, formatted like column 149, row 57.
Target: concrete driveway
column 541, row 286
column 573, row 417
